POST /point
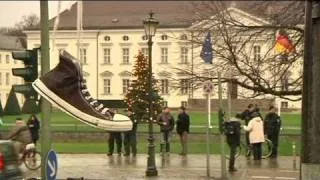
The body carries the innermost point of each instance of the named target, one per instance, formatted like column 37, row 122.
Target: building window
column 256, row 53
column 285, row 82
column 83, row 55
column 125, row 85
column 125, row 38
column 184, row 55
column 125, row 55
column 0, row 58
column 145, row 52
column 144, row 37
column 184, row 86
column 164, row 86
column 106, row 55
column 7, row 59
column 107, row 38
column 184, row 103
column 164, row 37
column 165, row 104
column 164, row 55
column 0, row 78
column 284, row 104
column 7, row 78
column 106, row 86
column 183, row 37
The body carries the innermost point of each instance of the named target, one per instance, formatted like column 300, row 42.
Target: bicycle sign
column 51, row 165
column 207, row 87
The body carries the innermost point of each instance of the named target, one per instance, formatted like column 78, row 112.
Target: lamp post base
column 151, row 172
column 151, row 163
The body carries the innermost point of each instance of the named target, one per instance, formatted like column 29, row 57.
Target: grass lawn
column 63, row 122
column 285, row 148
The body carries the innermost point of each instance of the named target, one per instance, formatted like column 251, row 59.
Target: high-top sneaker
column 64, row 86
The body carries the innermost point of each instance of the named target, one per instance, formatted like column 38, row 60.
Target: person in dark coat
column 233, row 139
column 130, row 137
column 166, row 122
column 34, row 126
column 272, row 125
column 115, row 137
column 246, row 115
column 183, row 125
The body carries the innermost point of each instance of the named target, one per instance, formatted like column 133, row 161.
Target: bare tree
column 244, row 50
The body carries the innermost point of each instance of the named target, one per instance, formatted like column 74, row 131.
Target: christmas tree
column 1, row 110
column 137, row 96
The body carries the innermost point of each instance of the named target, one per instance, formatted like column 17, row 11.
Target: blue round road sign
column 51, row 165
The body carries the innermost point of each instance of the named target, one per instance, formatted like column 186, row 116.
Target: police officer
column 130, row 137
column 272, row 125
column 233, row 138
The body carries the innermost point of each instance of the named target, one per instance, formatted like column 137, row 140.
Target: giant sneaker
column 64, row 86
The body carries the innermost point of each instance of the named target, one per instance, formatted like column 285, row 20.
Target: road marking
column 261, row 177
column 287, row 178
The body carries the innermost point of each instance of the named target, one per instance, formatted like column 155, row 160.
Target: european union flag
column 206, row 52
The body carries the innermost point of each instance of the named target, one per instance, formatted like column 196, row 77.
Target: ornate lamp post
column 150, row 26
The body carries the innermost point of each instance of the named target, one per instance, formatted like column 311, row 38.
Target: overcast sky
column 12, row 11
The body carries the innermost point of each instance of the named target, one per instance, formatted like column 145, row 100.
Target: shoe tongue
column 69, row 61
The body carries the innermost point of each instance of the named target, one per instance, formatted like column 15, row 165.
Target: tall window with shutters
column 106, row 86
column 125, row 85
column 106, row 56
column 164, row 86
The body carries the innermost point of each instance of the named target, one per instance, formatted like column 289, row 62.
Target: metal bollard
column 294, row 155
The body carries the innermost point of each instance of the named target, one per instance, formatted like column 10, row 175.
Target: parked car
column 9, row 165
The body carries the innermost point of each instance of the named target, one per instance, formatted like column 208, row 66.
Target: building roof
column 10, row 43
column 171, row 14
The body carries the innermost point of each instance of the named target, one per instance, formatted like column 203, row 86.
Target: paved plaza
column 102, row 167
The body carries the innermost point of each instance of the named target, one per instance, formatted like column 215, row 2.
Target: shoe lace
column 93, row 102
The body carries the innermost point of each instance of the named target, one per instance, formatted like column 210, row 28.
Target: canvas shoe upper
column 65, row 86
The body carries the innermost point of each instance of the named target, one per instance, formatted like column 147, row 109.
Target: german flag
column 284, row 44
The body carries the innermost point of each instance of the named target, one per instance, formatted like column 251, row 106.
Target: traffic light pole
column 45, row 105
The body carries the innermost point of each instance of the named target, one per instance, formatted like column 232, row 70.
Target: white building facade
column 108, row 55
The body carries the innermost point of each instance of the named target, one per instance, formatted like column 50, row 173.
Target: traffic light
column 29, row 73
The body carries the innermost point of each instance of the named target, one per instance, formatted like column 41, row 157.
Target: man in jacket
column 115, row 137
column 166, row 122
column 183, row 125
column 20, row 135
column 233, row 139
column 130, row 137
column 272, row 125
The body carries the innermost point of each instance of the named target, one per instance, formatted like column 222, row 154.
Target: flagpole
column 208, row 128
column 207, row 55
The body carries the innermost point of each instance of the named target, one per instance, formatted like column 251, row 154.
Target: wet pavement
column 102, row 167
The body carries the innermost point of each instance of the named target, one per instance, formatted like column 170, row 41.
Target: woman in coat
column 256, row 136
column 34, row 126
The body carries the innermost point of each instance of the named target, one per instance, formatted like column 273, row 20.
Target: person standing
column 233, row 133
column 130, row 137
column 246, row 115
column 183, row 125
column 272, row 125
column 115, row 137
column 34, row 126
column 166, row 122
column 256, row 135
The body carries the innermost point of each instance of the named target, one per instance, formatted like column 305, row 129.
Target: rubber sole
column 119, row 123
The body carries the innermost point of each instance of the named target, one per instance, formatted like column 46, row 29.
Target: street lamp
column 150, row 26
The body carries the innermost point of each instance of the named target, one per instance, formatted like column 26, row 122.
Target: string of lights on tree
column 137, row 96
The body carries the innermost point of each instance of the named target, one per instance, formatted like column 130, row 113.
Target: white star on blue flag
column 207, row 51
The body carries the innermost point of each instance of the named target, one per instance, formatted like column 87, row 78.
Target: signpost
column 51, row 165
column 208, row 88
